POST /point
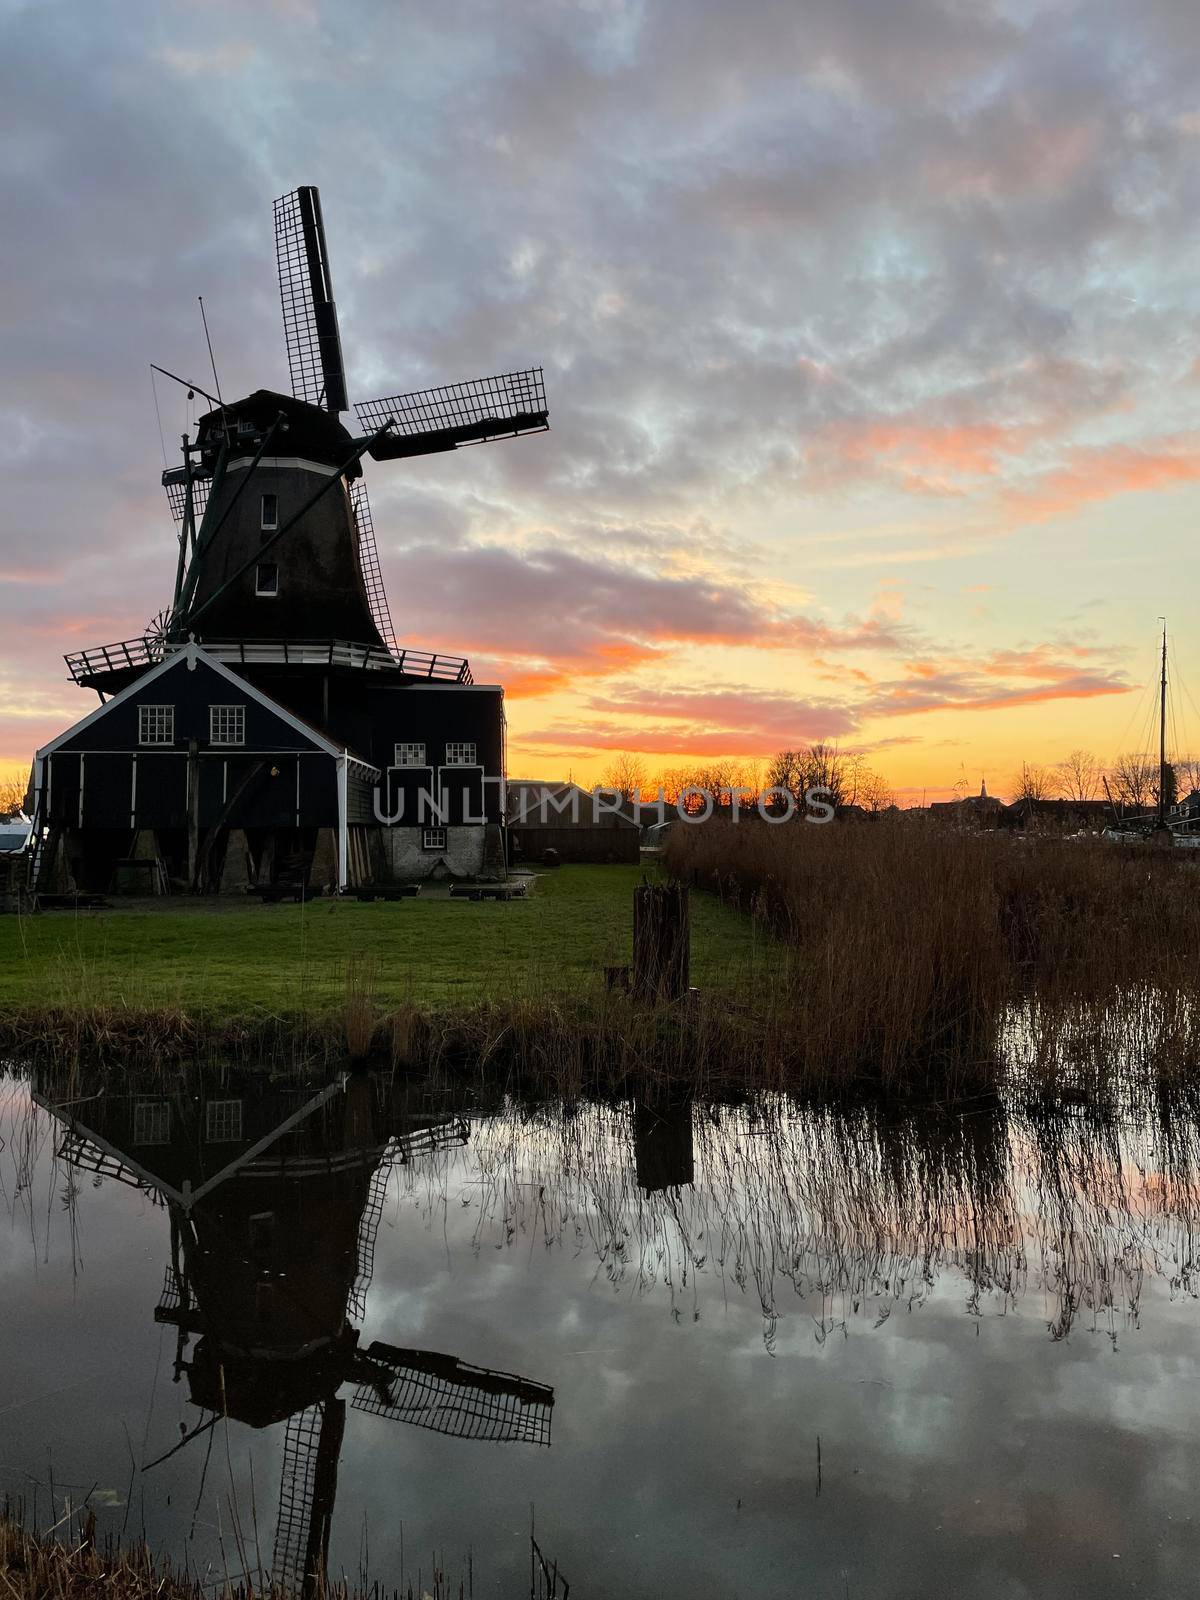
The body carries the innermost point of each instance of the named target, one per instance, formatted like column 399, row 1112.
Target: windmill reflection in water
column 275, row 1196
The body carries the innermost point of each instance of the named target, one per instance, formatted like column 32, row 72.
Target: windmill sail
column 310, row 325
column 450, row 1396
column 368, row 561
column 174, row 481
column 401, row 1148
column 431, row 420
column 307, row 1489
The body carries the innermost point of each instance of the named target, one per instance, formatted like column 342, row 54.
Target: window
column 460, row 754
column 152, row 1122
column 223, row 1121
column 226, row 724
column 270, row 511
column 433, row 839
column 266, row 578
column 410, row 755
column 156, row 724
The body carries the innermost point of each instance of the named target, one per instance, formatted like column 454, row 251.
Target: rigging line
column 158, row 416
column 1172, row 719
column 1181, row 681
column 212, row 359
column 1136, row 712
column 213, row 363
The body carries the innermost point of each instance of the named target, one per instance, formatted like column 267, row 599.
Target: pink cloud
column 1100, row 473
column 554, row 614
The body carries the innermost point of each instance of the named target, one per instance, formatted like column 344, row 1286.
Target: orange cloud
column 922, row 457
column 1099, row 473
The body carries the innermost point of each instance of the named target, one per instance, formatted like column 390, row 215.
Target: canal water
column 755, row 1350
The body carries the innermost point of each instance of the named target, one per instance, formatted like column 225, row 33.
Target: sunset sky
column 871, row 331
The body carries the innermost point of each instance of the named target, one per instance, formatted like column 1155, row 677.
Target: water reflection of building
column 275, row 1195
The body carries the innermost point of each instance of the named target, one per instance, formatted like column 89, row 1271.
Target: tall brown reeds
column 74, row 1562
column 926, row 952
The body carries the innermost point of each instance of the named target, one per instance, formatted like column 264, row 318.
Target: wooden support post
column 324, row 873
column 661, row 942
column 193, row 809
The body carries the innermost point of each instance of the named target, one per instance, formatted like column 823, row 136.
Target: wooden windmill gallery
column 268, row 730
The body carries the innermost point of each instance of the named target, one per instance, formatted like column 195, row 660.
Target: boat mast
column 1162, row 732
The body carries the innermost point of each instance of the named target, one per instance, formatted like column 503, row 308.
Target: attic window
column 410, row 755
column 433, row 839
column 269, row 517
column 223, row 1121
column 227, row 725
column 152, row 1122
column 460, row 753
column 266, row 578
column 156, row 724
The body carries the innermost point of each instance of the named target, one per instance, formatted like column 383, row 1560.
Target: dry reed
column 917, row 947
column 74, row 1563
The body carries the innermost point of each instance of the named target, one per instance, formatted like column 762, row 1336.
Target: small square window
column 269, row 517
column 461, row 754
column 410, row 755
column 223, row 1121
column 266, row 578
column 156, row 724
column 433, row 839
column 152, row 1122
column 226, row 724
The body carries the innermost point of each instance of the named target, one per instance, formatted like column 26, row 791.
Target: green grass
column 225, row 959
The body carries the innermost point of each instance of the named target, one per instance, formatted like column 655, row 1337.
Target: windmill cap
column 312, row 432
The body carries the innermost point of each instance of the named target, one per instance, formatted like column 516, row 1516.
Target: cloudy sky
column 870, row 328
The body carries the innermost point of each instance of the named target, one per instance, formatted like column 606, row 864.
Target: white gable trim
column 192, row 654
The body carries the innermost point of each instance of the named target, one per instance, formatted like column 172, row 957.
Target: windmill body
column 310, row 585
column 376, row 762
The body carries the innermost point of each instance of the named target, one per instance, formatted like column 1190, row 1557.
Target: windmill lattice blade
column 78, row 1151
column 368, row 560
column 449, row 1396
column 402, row 1148
column 429, row 420
column 297, row 1488
column 310, row 325
column 176, row 486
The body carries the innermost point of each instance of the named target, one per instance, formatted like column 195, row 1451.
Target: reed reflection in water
column 562, row 1242
column 849, row 1214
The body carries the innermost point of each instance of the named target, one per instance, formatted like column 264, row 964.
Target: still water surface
column 712, row 1351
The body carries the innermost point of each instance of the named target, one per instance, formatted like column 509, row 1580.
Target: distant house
column 1058, row 816
column 575, row 823
column 980, row 810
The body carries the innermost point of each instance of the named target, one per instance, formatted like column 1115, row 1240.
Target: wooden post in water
column 661, row 942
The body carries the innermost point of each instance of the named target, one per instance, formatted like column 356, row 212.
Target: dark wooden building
column 576, row 823
column 269, row 726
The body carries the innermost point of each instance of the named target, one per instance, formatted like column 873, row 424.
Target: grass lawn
column 223, row 959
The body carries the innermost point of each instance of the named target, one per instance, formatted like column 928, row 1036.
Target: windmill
column 214, row 554
column 271, row 1257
